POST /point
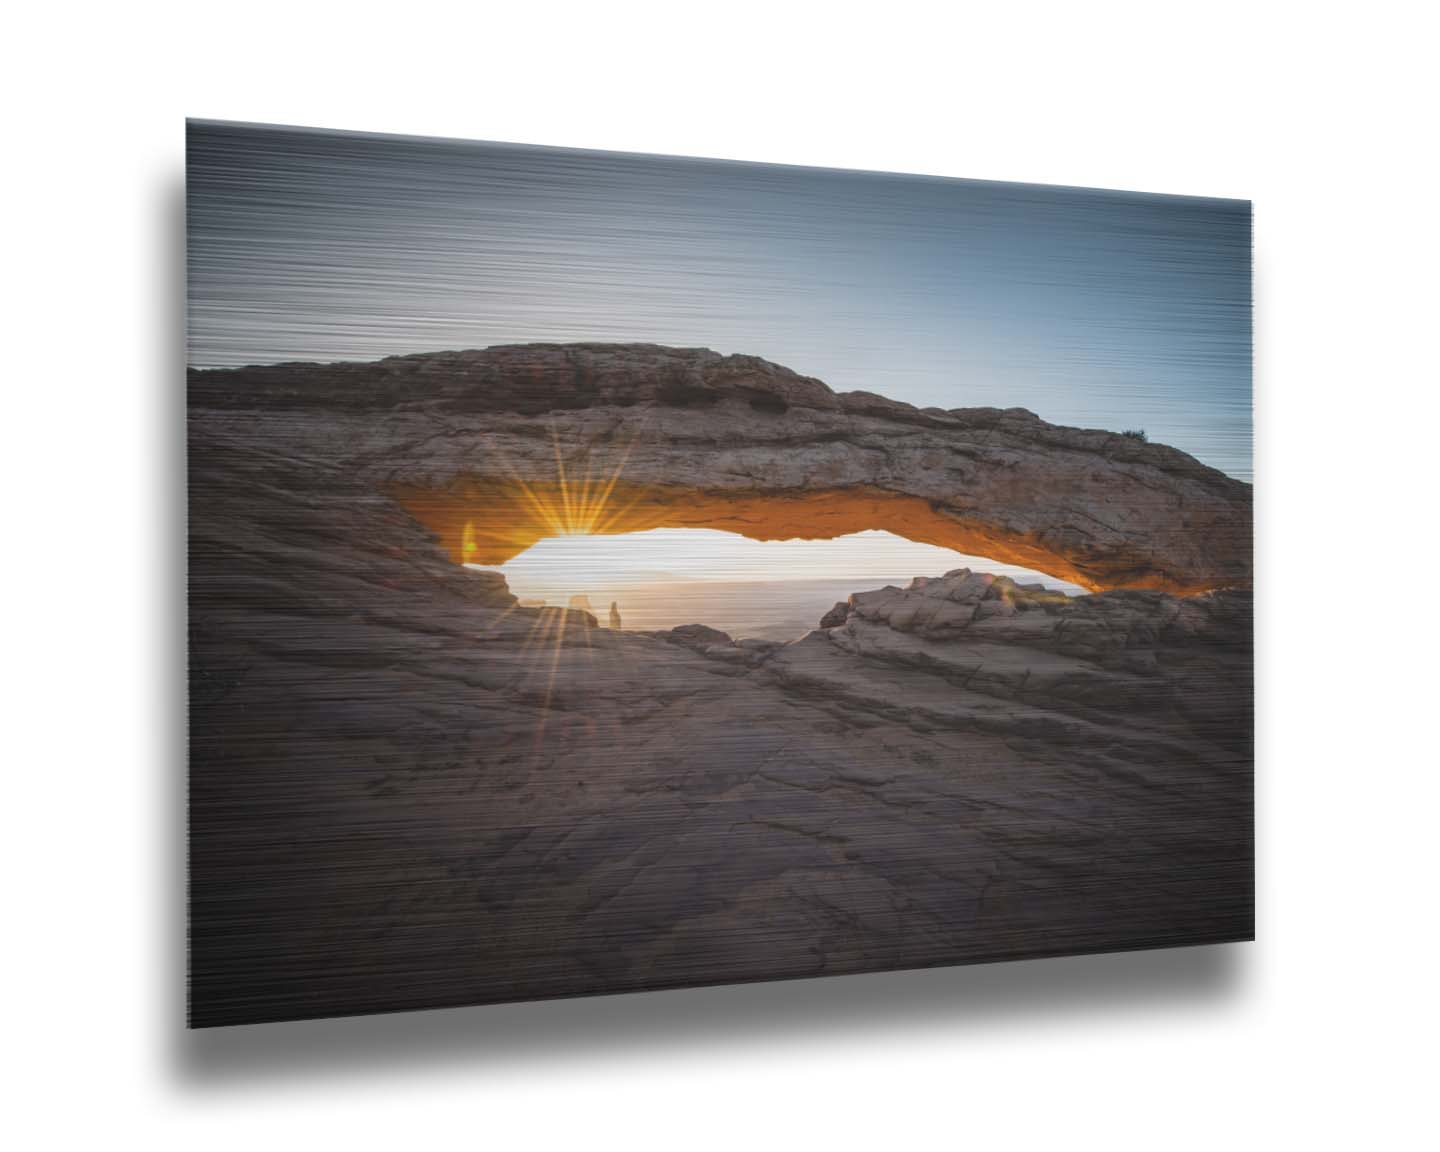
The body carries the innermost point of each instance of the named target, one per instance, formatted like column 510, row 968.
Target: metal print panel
column 621, row 572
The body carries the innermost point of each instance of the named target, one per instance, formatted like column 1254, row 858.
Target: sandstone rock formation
column 408, row 790
column 496, row 449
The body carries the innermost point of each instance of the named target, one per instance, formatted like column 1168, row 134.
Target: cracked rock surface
column 408, row 791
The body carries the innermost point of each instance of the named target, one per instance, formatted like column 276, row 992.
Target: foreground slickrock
column 409, row 791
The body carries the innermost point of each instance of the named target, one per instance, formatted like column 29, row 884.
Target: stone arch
column 493, row 450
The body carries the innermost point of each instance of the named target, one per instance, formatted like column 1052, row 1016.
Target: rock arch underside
column 409, row 791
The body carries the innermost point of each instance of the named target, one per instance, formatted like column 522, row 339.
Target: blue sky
column 1099, row 309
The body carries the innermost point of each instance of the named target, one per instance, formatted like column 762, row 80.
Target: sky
column 1092, row 308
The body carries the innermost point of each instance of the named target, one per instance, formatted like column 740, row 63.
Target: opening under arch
column 752, row 563
column 770, row 590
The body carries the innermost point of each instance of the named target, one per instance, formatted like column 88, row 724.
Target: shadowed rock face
column 408, row 791
column 496, row 449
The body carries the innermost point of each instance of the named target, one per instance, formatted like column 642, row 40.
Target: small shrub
column 1135, row 434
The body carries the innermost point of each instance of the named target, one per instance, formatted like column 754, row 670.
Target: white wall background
column 1319, row 1035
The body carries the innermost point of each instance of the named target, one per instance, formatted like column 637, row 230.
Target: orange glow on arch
column 488, row 523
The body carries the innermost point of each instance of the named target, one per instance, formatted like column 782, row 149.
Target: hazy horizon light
column 570, row 565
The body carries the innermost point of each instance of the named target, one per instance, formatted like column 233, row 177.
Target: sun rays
column 563, row 505
column 577, row 501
